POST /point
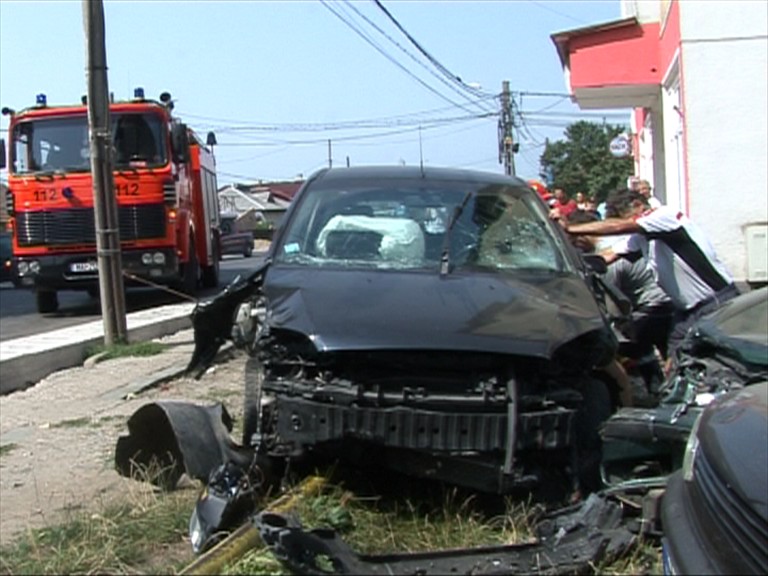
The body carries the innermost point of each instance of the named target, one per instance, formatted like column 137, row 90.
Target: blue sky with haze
column 277, row 80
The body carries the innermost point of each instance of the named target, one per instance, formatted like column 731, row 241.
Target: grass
column 121, row 350
column 121, row 538
column 147, row 531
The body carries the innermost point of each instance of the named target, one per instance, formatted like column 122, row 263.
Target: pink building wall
column 619, row 56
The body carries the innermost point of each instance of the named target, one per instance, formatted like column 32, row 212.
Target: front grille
column 745, row 529
column 77, row 225
column 305, row 422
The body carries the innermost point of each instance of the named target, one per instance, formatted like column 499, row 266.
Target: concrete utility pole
column 506, row 142
column 104, row 201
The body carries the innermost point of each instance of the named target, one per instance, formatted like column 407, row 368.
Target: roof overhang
column 611, row 65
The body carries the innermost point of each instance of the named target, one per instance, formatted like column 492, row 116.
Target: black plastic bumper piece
column 569, row 542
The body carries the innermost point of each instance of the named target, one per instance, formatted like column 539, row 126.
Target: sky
column 293, row 86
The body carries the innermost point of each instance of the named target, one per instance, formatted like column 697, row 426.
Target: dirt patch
column 57, row 438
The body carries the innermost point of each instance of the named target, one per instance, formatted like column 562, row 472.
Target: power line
column 416, row 117
column 447, row 73
column 388, row 57
column 472, row 100
column 550, row 9
column 425, row 126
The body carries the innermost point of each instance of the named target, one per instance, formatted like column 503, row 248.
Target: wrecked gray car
column 725, row 351
column 715, row 509
column 433, row 320
column 430, row 320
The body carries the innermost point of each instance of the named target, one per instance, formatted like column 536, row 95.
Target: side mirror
column 2, row 154
column 211, row 139
column 595, row 262
column 180, row 142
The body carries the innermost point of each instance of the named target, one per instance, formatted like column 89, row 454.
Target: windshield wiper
column 445, row 258
column 123, row 168
column 48, row 175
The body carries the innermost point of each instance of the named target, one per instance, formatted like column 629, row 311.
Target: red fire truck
column 164, row 181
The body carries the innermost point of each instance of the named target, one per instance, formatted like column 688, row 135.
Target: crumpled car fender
column 168, row 438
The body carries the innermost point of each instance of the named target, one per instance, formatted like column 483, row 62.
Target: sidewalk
column 24, row 361
column 58, row 437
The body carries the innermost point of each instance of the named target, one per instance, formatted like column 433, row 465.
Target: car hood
column 738, row 329
column 361, row 310
column 733, row 434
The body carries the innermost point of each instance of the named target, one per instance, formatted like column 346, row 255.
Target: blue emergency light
column 41, row 100
column 138, row 93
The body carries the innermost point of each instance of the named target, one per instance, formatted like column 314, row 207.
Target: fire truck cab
column 164, row 182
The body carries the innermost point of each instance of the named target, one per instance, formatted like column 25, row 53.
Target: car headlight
column 197, row 535
column 158, row 258
column 691, row 449
column 146, row 258
column 34, row 266
column 23, row 267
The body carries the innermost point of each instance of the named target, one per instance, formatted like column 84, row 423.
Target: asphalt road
column 19, row 316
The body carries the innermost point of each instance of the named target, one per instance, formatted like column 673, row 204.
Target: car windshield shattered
column 422, row 226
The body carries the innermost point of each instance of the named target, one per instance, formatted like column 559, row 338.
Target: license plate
column 84, row 267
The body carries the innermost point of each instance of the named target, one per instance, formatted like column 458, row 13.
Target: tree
column 583, row 161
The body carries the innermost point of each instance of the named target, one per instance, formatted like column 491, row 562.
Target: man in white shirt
column 681, row 257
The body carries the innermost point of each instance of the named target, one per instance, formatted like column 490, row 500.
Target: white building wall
column 643, row 10
column 725, row 90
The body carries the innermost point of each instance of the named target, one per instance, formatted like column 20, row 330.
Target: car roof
column 331, row 175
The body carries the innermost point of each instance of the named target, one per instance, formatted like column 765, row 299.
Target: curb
column 28, row 360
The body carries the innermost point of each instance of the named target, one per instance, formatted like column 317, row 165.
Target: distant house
column 270, row 199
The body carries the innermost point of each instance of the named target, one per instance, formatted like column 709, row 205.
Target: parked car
column 6, row 257
column 725, row 351
column 234, row 241
column 434, row 319
column 715, row 509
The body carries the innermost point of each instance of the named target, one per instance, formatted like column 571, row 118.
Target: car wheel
column 248, row 249
column 254, row 380
column 47, row 301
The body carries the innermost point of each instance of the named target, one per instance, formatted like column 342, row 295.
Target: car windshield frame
column 61, row 144
column 401, row 224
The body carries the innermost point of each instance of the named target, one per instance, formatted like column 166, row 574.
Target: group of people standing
column 657, row 257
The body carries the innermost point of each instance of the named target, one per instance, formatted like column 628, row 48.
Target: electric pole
column 104, row 201
column 506, row 142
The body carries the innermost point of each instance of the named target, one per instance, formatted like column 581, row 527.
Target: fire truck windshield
column 61, row 144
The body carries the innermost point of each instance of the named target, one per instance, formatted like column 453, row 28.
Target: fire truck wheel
column 211, row 273
column 191, row 270
column 47, row 301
